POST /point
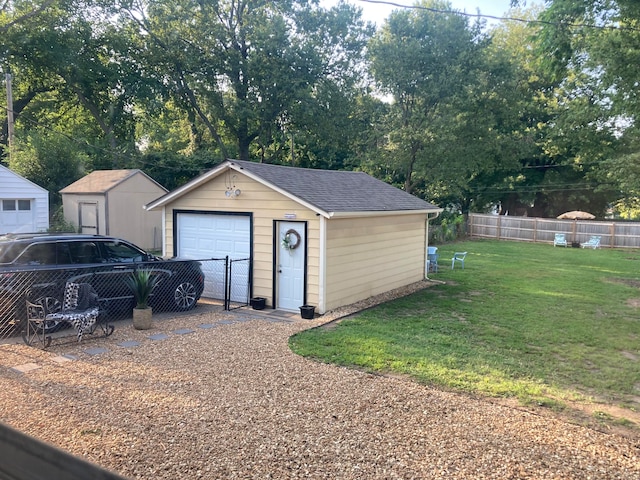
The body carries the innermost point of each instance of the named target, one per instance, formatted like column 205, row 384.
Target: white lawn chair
column 458, row 257
column 560, row 240
column 594, row 242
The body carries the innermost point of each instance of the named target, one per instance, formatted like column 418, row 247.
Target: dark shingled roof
column 334, row 190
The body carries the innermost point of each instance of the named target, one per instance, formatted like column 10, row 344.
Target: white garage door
column 203, row 236
column 16, row 216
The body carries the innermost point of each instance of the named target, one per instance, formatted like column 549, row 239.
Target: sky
column 377, row 12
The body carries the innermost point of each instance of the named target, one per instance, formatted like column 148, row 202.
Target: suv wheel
column 185, row 296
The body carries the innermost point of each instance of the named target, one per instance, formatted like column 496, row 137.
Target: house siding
column 266, row 205
column 126, row 207
column 372, row 255
column 71, row 206
column 13, row 186
column 121, row 210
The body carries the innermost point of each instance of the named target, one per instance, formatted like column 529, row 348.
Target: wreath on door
column 291, row 240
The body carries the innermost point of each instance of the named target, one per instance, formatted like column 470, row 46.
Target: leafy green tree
column 248, row 72
column 50, row 161
column 591, row 51
column 446, row 110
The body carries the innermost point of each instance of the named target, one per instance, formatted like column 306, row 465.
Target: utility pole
column 9, row 112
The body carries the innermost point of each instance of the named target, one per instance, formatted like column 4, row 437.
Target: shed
column 24, row 206
column 111, row 202
column 318, row 237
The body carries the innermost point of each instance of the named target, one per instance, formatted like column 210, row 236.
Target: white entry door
column 291, row 265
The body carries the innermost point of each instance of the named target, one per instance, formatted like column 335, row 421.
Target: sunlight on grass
column 521, row 320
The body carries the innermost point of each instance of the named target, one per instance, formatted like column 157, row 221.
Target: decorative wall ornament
column 291, row 240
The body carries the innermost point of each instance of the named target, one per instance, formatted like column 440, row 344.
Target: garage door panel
column 201, row 236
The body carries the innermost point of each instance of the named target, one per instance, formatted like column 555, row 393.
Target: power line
column 502, row 19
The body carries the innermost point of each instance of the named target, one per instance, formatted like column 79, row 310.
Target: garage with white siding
column 24, row 206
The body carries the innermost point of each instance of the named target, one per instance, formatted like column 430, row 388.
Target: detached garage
column 24, row 206
column 319, row 237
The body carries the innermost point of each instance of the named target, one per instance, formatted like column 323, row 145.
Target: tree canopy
column 534, row 117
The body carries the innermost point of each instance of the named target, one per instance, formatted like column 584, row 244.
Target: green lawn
column 545, row 325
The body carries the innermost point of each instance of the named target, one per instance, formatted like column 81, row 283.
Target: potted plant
column 142, row 282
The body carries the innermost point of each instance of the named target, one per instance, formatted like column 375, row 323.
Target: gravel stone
column 234, row 402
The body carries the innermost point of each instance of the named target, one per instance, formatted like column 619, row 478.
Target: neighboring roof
column 327, row 192
column 6, row 171
column 101, row 181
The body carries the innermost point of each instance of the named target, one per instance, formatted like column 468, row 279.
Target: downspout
column 426, row 248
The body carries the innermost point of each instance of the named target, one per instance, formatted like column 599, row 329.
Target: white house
column 24, row 206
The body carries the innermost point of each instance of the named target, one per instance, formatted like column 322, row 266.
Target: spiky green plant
column 142, row 282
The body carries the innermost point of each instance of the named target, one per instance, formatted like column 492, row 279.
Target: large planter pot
column 142, row 318
column 307, row 311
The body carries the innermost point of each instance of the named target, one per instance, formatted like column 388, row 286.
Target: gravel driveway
column 222, row 396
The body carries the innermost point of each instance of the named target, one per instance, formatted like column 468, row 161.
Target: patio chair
column 594, row 242
column 560, row 240
column 80, row 308
column 432, row 259
column 458, row 257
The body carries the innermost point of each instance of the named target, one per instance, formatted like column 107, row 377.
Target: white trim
column 21, row 178
column 258, row 179
column 230, row 165
column 164, row 232
column 379, row 213
column 187, row 187
column 322, row 267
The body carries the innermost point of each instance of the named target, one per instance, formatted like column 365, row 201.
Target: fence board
column 543, row 230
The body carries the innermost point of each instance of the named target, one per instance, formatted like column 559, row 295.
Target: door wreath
column 291, row 239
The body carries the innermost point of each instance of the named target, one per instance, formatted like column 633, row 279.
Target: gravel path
column 230, row 400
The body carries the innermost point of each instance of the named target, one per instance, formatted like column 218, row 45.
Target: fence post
column 227, row 286
column 612, row 242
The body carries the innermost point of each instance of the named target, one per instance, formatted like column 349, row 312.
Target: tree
column 434, row 66
column 249, row 70
column 592, row 51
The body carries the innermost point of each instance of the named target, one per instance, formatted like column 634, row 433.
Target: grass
column 548, row 326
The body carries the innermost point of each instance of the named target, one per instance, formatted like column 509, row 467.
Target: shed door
column 291, row 265
column 88, row 217
column 202, row 236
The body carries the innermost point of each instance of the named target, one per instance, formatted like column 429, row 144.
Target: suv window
column 38, row 254
column 122, row 252
column 84, row 252
column 9, row 251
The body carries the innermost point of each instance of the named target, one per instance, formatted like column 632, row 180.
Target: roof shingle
column 336, row 190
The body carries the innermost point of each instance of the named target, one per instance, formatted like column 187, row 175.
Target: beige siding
column 126, row 216
column 70, row 205
column 266, row 205
column 369, row 256
column 120, row 211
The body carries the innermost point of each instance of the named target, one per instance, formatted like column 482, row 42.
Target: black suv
column 36, row 267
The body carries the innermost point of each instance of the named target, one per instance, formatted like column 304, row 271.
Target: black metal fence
column 181, row 283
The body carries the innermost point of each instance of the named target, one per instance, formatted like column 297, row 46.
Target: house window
column 13, row 205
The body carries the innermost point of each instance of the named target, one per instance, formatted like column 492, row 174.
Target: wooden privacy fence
column 531, row 229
